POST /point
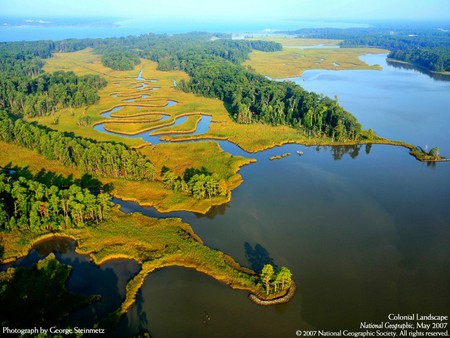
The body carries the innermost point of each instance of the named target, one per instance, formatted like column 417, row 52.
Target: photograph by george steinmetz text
column 224, row 168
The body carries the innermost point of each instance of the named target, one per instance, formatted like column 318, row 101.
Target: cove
column 360, row 239
column 107, row 280
column 396, row 102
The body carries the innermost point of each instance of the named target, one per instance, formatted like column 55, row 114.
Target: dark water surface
column 364, row 237
column 108, row 280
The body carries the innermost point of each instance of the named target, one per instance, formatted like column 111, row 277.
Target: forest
column 47, row 93
column 196, row 182
column 422, row 46
column 29, row 204
column 108, row 159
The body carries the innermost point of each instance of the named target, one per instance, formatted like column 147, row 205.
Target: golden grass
column 189, row 126
column 131, row 128
column 179, row 157
column 292, row 62
column 196, row 155
column 25, row 158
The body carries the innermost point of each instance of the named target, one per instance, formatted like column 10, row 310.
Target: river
column 364, row 229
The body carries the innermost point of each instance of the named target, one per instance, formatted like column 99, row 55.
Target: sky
column 233, row 10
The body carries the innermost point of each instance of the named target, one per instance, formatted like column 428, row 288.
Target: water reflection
column 407, row 66
column 338, row 152
column 108, row 280
column 218, row 210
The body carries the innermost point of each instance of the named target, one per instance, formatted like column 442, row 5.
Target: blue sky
column 253, row 10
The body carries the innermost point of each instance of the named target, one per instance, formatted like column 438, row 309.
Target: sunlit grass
column 131, row 128
column 189, row 126
column 292, row 62
column 179, row 156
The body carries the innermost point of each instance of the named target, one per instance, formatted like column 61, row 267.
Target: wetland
column 362, row 227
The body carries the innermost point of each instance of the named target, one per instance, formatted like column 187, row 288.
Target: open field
column 292, row 62
column 129, row 127
column 189, row 126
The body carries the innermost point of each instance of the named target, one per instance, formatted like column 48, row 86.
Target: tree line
column 28, row 204
column 48, row 93
column 196, row 182
column 253, row 98
column 107, row 159
column 120, row 59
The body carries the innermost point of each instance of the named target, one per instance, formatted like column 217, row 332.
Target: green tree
column 266, row 276
column 284, row 276
column 434, row 152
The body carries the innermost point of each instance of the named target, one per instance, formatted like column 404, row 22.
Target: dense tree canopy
column 108, row 159
column 196, row 182
column 48, row 92
column 28, row 204
column 253, row 98
column 120, row 59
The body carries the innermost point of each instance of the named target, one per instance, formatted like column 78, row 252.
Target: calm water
column 396, row 103
column 365, row 229
column 108, row 280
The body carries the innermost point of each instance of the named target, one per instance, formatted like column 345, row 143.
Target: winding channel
column 202, row 126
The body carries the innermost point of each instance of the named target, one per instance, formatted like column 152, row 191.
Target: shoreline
column 447, row 74
column 279, row 300
column 232, row 274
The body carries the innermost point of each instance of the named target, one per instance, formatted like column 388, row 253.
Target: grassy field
column 189, row 126
column 292, row 62
column 129, row 127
